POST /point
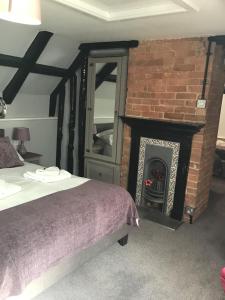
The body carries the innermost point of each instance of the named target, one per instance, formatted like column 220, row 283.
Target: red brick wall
column 164, row 81
column 214, row 100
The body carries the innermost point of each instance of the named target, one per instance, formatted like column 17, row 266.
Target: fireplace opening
column 154, row 183
column 157, row 170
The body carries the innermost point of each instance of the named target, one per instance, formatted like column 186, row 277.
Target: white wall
column 32, row 111
column 27, row 105
column 221, row 130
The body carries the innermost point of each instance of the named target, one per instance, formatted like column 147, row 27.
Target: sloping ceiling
column 59, row 52
column 72, row 26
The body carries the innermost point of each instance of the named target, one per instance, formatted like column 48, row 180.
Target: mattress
column 32, row 190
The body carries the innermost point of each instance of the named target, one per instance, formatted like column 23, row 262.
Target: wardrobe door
column 106, row 93
column 104, row 90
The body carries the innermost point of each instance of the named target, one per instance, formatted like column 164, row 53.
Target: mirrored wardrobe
column 106, row 92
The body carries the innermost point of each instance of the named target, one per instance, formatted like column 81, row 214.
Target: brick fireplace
column 165, row 79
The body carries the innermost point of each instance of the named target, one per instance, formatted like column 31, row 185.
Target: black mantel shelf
column 161, row 124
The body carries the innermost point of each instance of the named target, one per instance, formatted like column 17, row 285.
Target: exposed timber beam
column 219, row 39
column 48, row 70
column 28, row 62
column 70, row 72
column 60, row 127
column 105, row 71
column 111, row 78
column 16, row 62
column 108, row 45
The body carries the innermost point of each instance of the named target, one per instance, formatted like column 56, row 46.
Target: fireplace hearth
column 159, row 160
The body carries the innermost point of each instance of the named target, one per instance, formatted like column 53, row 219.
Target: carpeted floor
column 157, row 263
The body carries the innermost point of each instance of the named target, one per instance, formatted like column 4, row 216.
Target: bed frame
column 69, row 264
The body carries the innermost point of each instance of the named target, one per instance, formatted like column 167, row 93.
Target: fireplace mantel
column 140, row 123
column 178, row 132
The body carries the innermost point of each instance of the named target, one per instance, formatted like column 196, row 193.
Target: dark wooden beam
column 219, row 39
column 111, row 78
column 10, row 61
column 16, row 62
column 108, row 45
column 82, row 116
column 60, row 127
column 52, row 105
column 48, row 70
column 103, row 73
column 72, row 121
column 70, row 72
column 28, row 62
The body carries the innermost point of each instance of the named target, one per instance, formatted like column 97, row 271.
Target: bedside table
column 32, row 157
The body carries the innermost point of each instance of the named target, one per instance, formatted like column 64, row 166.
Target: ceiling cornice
column 109, row 15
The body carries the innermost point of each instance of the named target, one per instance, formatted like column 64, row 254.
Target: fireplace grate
column 154, row 186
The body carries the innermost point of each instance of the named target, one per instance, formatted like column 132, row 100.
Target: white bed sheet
column 32, row 190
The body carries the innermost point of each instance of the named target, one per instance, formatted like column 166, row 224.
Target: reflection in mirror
column 3, row 108
column 104, row 108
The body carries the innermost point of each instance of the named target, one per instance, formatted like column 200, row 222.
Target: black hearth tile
column 158, row 217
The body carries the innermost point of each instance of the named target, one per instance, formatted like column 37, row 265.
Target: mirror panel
column 104, row 108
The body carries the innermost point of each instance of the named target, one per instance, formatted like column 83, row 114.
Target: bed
column 47, row 230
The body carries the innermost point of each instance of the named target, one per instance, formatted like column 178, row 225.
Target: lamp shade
column 21, row 11
column 21, row 134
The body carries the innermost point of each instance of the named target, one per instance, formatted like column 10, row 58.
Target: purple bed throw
column 35, row 235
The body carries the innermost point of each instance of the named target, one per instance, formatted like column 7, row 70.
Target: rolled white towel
column 47, row 178
column 51, row 171
column 8, row 189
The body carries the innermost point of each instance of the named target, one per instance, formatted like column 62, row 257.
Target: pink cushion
column 8, row 155
column 222, row 278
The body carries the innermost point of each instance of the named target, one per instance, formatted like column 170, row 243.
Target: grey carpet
column 157, row 263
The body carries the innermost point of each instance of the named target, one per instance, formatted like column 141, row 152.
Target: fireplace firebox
column 157, row 169
column 159, row 160
column 154, row 183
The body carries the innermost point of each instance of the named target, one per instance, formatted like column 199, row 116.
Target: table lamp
column 21, row 134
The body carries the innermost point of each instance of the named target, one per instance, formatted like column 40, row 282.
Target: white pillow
column 106, row 136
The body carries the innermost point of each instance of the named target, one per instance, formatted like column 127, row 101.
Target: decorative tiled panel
column 173, row 170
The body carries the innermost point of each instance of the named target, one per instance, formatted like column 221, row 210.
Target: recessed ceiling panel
column 115, row 10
